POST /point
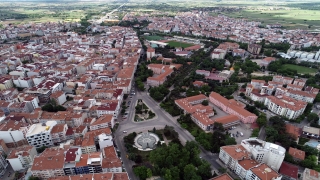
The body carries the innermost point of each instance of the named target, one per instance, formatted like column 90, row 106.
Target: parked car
column 241, row 133
column 125, row 131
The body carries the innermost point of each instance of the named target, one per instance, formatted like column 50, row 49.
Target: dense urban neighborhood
column 159, row 96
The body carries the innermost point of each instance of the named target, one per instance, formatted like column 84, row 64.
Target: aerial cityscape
column 159, row 90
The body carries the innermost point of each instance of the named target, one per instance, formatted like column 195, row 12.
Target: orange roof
column 264, row 172
column 293, row 130
column 296, row 153
column 226, row 119
column 247, row 163
column 103, row 119
column 223, row 177
column 237, row 152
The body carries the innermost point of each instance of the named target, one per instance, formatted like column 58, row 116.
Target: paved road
column 162, row 119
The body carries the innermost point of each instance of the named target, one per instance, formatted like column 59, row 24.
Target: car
column 237, row 135
column 231, row 135
column 125, row 131
column 241, row 134
column 230, row 128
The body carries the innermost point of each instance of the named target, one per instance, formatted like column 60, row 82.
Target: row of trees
column 141, row 75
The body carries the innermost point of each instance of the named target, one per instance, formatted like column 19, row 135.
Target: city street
column 163, row 118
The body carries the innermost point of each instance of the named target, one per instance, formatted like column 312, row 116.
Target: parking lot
column 241, row 128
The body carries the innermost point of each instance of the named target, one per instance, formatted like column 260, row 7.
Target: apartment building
column 58, row 133
column 89, row 163
column 151, row 52
column 262, row 172
column 199, row 114
column 162, row 72
column 310, row 174
column 3, row 164
column 95, row 176
column 59, row 97
column 13, row 133
column 111, row 107
column 3, row 147
column 232, row 107
column 39, row 134
column 6, row 82
column 48, row 164
column 22, row 157
column 222, row 177
column 265, row 152
column 297, row 154
column 72, row 156
column 110, row 161
column 285, row 106
column 103, row 121
column 254, row 48
column 282, row 79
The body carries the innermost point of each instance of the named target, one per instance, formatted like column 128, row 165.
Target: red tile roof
column 288, row 169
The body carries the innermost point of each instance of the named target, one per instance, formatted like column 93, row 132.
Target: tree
column 141, row 172
column 149, row 173
column 168, row 175
column 262, row 120
column 312, row 117
column 230, row 141
column 33, row 178
column 204, row 170
column 205, row 103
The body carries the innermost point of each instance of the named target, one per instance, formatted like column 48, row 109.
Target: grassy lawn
column 179, row 44
column 300, row 69
column 153, row 38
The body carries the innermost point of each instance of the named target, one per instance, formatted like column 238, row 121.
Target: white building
column 105, row 140
column 265, row 152
column 39, row 134
column 285, row 106
column 3, row 165
column 262, row 172
column 13, row 133
column 310, row 174
column 21, row 157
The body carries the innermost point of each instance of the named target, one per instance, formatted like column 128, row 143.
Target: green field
column 179, row 44
column 289, row 18
column 300, row 69
column 153, row 38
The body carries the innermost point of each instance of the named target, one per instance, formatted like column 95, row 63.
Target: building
column 103, row 121
column 162, row 72
column 254, row 48
column 110, row 108
column 39, row 134
column 49, row 163
column 199, row 114
column 59, row 97
column 58, row 133
column 95, row 176
column 310, row 174
column 22, row 157
column 105, row 140
column 311, row 132
column 3, row 147
column 265, row 152
column 3, row 164
column 232, row 107
column 262, row 172
column 297, row 154
column 89, row 163
column 294, row 131
column 151, row 52
column 72, row 156
column 289, row 171
column 222, row 177
column 285, row 106
column 111, row 161
column 203, row 72
column 6, row 82
column 13, row 133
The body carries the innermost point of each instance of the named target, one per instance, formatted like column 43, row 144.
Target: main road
column 162, row 118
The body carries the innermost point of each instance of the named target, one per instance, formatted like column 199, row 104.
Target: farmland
column 300, row 69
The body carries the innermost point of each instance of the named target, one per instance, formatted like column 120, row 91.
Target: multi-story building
column 13, row 133
column 58, row 133
column 89, row 163
column 222, row 177
column 3, row 147
column 162, row 72
column 199, row 114
column 72, row 156
column 59, row 97
column 285, row 106
column 112, row 107
column 282, row 79
column 3, row 164
column 311, row 132
column 310, row 174
column 20, row 158
column 49, row 163
column 252, row 149
column 39, row 134
column 6, row 82
column 203, row 72
column 111, row 162
column 265, row 152
column 262, row 172
column 232, row 107
column 254, row 48
column 95, row 176
column 150, row 53
column 103, row 121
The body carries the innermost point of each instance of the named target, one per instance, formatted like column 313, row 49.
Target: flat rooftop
column 40, row 127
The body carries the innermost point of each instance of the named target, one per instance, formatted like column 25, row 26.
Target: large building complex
column 232, row 107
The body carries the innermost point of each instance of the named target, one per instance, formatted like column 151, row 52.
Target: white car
column 125, row 131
